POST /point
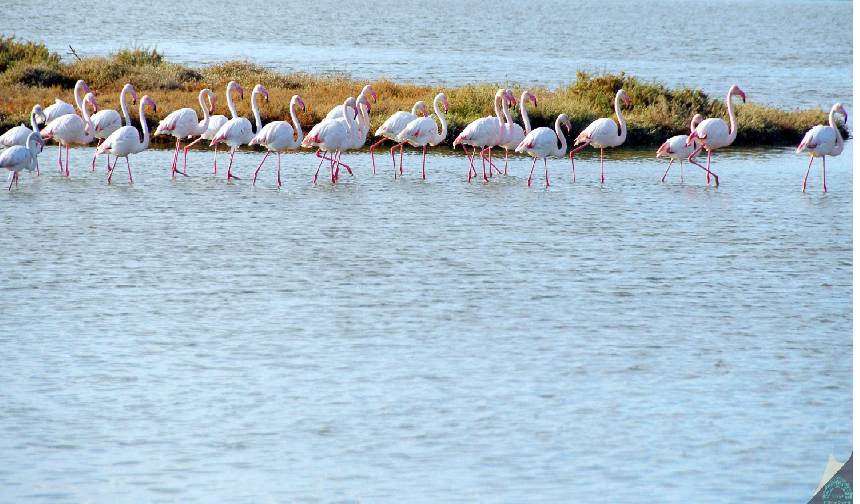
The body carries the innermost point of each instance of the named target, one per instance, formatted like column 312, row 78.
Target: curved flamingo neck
column 498, row 99
column 415, row 109
column 202, row 100
column 256, row 111
column 79, row 100
column 297, row 125
column 506, row 112
column 441, row 135
column 34, row 125
column 561, row 138
column 527, row 125
column 89, row 132
column 622, row 124
column 143, row 126
column 840, row 143
column 230, row 104
column 733, row 121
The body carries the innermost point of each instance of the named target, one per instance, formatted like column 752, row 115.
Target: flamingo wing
column 121, row 142
column 58, row 109
column 106, row 121
column 539, row 142
column 15, row 136
column 395, row 124
column 67, row 128
column 480, row 132
column 418, row 131
column 14, row 157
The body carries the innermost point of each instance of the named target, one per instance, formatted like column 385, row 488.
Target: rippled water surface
column 786, row 53
column 401, row 341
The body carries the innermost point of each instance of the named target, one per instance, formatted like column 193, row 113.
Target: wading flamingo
column 19, row 134
column 677, row 149
column 18, row 157
column 60, row 108
column 366, row 92
column 543, row 142
column 423, row 132
column 822, row 141
column 333, row 136
column 713, row 133
column 483, row 133
column 126, row 140
column 72, row 129
column 280, row 136
column 183, row 123
column 107, row 121
column 394, row 125
column 216, row 122
column 513, row 133
column 238, row 131
column 603, row 133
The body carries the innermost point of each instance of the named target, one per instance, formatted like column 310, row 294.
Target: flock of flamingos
column 346, row 127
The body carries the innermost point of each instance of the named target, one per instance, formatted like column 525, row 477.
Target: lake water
column 398, row 341
column 788, row 53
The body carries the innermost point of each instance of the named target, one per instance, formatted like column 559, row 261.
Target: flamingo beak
column 627, row 100
column 742, row 95
column 691, row 138
column 445, row 105
column 534, row 100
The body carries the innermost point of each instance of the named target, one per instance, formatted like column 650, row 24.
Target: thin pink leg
column 128, row 165
column 372, row 148
column 67, row 160
column 401, row 159
column 602, row 179
column 110, row 171
column 423, row 161
column 484, row 166
column 529, row 181
column 230, row 176
column 175, row 158
column 572, row 167
column 11, row 181
column 691, row 159
column 215, row 161
column 824, row 171
column 506, row 161
column 394, row 159
column 545, row 172
column 60, row 157
column 185, row 161
column 279, row 170
column 318, row 166
column 811, row 159
column 667, row 170
column 96, row 153
column 471, row 159
column 258, row 169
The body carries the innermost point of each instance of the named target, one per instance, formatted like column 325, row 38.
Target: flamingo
column 126, row 140
column 513, row 133
column 19, row 134
column 72, row 129
column 422, row 132
column 543, row 142
column 280, row 136
column 394, row 125
column 677, row 149
column 366, row 91
column 60, row 108
column 333, row 135
column 239, row 131
column 822, row 141
column 484, row 133
column 18, row 157
column 603, row 133
column 713, row 133
column 183, row 123
column 107, row 121
column 216, row 122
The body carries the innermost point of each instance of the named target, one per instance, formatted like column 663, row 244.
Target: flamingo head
column 128, row 88
column 420, row 109
column 350, row 102
column 839, row 108
column 692, row 138
column 41, row 118
column 664, row 148
column 625, row 97
column 91, row 99
column 528, row 95
column 363, row 101
column 565, row 121
column 212, row 98
column 82, row 84
column 736, row 91
column 147, row 100
column 695, row 122
column 368, row 91
column 260, row 89
column 235, row 86
column 509, row 95
column 444, row 99
column 299, row 102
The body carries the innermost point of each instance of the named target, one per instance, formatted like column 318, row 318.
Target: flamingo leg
column 823, row 172
column 318, row 166
column 11, row 180
column 331, row 167
column 67, row 160
column 279, row 170
column 423, row 161
column 545, row 172
column 175, row 158
column 394, row 160
column 401, row 159
column 215, row 161
column 667, row 170
column 38, row 174
column 185, row 161
column 128, row 165
column 96, row 153
column 110, row 170
column 602, row 179
column 372, row 148
column 681, row 162
column 811, row 159
column 716, row 180
column 691, row 159
column 258, row 168
column 506, row 161
column 60, row 157
column 529, row 181
column 230, row 176
column 484, row 167
column 471, row 159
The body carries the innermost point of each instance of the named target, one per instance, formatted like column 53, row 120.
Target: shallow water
column 787, row 53
column 381, row 340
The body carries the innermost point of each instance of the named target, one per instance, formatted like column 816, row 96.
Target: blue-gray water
column 200, row 341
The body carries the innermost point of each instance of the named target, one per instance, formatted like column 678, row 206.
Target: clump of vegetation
column 30, row 73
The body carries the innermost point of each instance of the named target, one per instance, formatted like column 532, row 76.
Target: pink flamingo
column 394, row 125
column 334, row 136
column 20, row 157
column 239, row 131
column 485, row 133
column 216, row 122
column 513, row 133
column 543, row 142
column 107, row 121
column 60, row 108
column 280, row 136
column 367, row 92
column 126, row 140
column 713, row 133
column 677, row 149
column 603, row 133
column 72, row 129
column 183, row 123
column 422, row 132
column 19, row 135
column 822, row 141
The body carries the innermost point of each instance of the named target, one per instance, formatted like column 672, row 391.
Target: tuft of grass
column 29, row 74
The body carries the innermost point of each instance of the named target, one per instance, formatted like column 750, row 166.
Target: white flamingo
column 603, row 133
column 822, row 141
column 280, row 136
column 239, row 131
column 18, row 135
column 422, row 132
column 394, row 125
column 366, row 92
column 543, row 142
column 513, row 133
column 183, row 123
column 217, row 121
column 72, row 129
column 484, row 133
column 713, row 133
column 126, row 140
column 19, row 157
column 333, row 136
column 107, row 121
column 60, row 108
column 676, row 148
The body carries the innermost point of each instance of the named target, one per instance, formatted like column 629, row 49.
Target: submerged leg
column 423, row 161
column 230, row 175
column 824, row 172
column 691, row 159
column 96, row 153
column 318, row 166
column 602, row 178
column 545, row 172
column 372, row 148
column 667, row 170
column 67, row 160
column 128, row 165
column 529, row 181
column 254, row 182
column 279, row 170
column 811, row 159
